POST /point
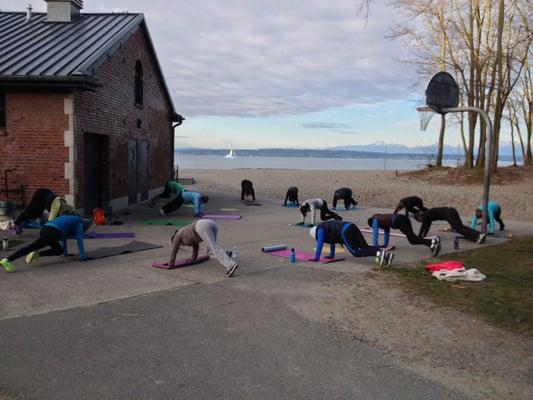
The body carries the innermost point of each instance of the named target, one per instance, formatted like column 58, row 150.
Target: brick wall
column 34, row 142
column 111, row 110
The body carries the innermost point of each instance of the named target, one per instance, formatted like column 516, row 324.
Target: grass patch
column 504, row 299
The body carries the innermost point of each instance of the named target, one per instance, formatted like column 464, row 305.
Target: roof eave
column 79, row 82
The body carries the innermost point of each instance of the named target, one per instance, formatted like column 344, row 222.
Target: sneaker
column 232, row 270
column 8, row 265
column 380, row 258
column 435, row 246
column 388, row 258
column 481, row 238
column 34, row 255
column 14, row 229
column 161, row 212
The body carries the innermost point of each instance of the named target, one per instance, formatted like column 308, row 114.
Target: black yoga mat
column 131, row 247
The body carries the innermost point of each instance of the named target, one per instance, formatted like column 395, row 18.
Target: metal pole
column 488, row 155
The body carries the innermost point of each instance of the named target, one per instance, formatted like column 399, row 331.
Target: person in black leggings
column 41, row 200
column 412, row 204
column 346, row 195
column 291, row 196
column 403, row 223
column 247, row 189
column 451, row 215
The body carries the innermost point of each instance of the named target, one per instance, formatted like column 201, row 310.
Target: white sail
column 231, row 154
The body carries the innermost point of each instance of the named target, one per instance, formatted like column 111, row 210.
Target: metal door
column 145, row 173
column 132, row 171
column 93, row 153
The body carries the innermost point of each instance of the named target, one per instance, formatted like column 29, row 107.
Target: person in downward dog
column 494, row 215
column 174, row 204
column 291, row 196
column 204, row 230
column 344, row 194
column 412, row 204
column 451, row 215
column 247, row 189
column 348, row 235
column 403, row 223
column 311, row 205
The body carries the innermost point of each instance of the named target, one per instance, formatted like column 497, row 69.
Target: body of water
column 188, row 161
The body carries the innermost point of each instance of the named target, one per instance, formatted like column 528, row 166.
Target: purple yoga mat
column 221, row 216
column 302, row 256
column 182, row 262
column 111, row 235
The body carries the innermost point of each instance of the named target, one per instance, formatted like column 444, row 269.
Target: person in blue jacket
column 54, row 235
column 196, row 199
column 495, row 212
column 348, row 235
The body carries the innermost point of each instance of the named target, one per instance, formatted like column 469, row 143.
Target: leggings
column 452, row 216
column 356, row 244
column 348, row 201
column 498, row 218
column 48, row 236
column 41, row 199
column 173, row 205
column 403, row 223
column 208, row 230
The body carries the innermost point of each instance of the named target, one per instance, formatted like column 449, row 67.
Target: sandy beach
column 372, row 188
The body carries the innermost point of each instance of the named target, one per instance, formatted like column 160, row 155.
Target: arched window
column 138, row 83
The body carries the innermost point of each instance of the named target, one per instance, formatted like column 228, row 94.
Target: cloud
column 332, row 127
column 264, row 58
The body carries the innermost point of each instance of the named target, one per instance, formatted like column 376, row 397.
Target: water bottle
column 292, row 256
column 456, row 243
column 5, row 243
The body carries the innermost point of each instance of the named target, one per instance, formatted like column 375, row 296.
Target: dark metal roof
column 59, row 53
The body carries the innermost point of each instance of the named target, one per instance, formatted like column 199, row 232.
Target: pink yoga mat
column 302, row 256
column 221, row 216
column 182, row 262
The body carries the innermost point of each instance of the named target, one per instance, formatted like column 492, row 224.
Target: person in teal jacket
column 196, row 199
column 494, row 215
column 54, row 235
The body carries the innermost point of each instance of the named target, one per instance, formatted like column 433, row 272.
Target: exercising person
column 204, row 230
column 403, row 223
column 347, row 235
column 54, row 235
column 247, row 189
column 346, row 195
column 451, row 215
column 312, row 205
column 42, row 200
column 174, row 204
column 291, row 196
column 412, row 204
column 493, row 216
column 195, row 199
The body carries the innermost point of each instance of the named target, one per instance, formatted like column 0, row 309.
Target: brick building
column 84, row 108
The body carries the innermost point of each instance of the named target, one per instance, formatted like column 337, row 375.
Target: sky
column 292, row 73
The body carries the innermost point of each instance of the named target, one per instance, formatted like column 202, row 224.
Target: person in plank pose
column 291, row 196
column 494, row 215
column 204, row 230
column 54, row 235
column 403, row 223
column 174, row 204
column 348, row 235
column 311, row 205
column 195, row 199
column 247, row 189
column 412, row 204
column 43, row 200
column 451, row 215
column 344, row 194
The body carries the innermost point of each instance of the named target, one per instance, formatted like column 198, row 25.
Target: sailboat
column 231, row 155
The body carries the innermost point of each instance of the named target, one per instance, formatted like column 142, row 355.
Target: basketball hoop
column 424, row 116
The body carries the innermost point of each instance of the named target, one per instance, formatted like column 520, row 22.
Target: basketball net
column 424, row 116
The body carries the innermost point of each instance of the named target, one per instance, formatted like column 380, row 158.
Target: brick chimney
column 63, row 10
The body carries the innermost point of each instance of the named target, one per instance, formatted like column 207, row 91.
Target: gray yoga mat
column 131, row 247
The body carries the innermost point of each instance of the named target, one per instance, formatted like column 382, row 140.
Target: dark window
column 2, row 110
column 138, row 83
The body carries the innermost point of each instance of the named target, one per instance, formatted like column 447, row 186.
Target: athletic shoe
column 388, row 258
column 232, row 270
column 8, row 265
column 161, row 212
column 199, row 215
column 14, row 229
column 34, row 255
column 380, row 258
column 481, row 238
column 435, row 246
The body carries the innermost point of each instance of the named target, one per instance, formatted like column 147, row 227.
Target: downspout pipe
column 178, row 119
